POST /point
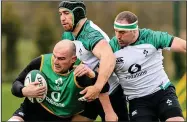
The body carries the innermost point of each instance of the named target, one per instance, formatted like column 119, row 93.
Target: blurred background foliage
column 30, row 29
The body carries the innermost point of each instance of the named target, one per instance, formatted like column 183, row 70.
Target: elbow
column 13, row 91
column 16, row 92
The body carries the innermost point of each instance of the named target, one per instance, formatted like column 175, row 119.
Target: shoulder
column 91, row 30
column 67, row 35
column 149, row 33
column 114, row 44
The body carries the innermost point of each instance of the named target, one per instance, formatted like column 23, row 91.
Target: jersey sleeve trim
column 171, row 42
column 42, row 61
column 76, row 83
column 95, row 44
column 75, row 80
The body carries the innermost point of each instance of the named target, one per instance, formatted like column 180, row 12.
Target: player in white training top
column 140, row 70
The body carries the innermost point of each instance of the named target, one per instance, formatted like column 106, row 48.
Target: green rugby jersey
column 89, row 35
column 63, row 90
column 139, row 66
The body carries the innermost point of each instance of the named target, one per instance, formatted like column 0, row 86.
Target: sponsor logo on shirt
column 135, row 71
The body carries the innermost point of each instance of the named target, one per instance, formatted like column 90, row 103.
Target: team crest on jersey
column 58, row 82
column 119, row 60
column 80, row 51
column 145, row 52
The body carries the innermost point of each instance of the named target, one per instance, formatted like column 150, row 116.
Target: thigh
column 169, row 105
column 92, row 109
column 27, row 111
column 147, row 118
column 35, row 112
column 119, row 104
column 141, row 107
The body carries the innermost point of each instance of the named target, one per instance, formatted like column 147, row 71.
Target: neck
column 136, row 35
column 79, row 26
column 67, row 71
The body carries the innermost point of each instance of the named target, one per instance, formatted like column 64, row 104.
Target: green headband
column 132, row 26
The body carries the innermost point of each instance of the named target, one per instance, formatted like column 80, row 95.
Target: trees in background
column 11, row 28
column 41, row 25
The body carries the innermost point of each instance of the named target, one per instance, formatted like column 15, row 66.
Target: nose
column 55, row 61
column 118, row 35
column 62, row 17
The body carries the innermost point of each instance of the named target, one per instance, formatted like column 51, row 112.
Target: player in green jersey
column 140, row 70
column 61, row 102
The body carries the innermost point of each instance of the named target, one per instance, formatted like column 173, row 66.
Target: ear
column 74, row 58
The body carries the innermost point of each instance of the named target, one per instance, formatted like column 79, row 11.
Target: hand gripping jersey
column 63, row 91
column 139, row 66
column 89, row 35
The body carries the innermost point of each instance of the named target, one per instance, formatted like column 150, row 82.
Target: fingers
column 83, row 91
column 35, row 83
column 41, row 88
column 83, row 72
column 90, row 92
column 38, row 92
column 80, row 70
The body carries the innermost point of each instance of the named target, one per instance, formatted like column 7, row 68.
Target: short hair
column 128, row 16
column 73, row 49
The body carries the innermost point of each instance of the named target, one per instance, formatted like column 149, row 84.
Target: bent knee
column 16, row 118
column 175, row 119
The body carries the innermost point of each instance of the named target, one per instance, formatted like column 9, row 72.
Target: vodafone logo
column 135, row 71
column 134, row 68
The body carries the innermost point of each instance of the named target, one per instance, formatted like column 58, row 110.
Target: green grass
column 26, row 50
column 9, row 102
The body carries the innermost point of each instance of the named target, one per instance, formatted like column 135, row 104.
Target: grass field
column 9, row 102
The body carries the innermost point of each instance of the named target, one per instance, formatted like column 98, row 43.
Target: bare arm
column 178, row 45
column 110, row 115
column 104, row 52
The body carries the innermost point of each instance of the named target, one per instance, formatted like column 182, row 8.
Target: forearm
column 106, row 68
column 18, row 84
column 105, row 102
column 178, row 45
